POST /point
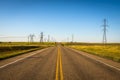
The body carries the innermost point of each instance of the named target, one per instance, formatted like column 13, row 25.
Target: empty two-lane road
column 58, row 63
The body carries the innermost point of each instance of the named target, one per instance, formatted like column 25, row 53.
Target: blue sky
column 59, row 19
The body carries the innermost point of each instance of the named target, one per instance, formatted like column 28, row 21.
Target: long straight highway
column 57, row 63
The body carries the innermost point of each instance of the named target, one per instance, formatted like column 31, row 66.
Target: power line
column 13, row 36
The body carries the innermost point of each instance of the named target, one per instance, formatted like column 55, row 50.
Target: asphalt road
column 58, row 63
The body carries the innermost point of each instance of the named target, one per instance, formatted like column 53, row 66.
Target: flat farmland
column 8, row 49
column 110, row 51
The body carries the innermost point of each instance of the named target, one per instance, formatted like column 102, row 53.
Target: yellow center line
column 61, row 70
column 59, row 66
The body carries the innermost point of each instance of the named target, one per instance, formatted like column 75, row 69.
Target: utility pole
column 104, row 31
column 41, row 37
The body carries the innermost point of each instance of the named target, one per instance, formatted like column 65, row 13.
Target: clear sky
column 59, row 19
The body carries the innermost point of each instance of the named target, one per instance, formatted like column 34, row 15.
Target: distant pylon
column 72, row 37
column 104, row 31
column 67, row 39
column 41, row 37
column 31, row 38
column 48, row 38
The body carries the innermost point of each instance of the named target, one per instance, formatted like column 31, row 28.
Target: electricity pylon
column 48, row 38
column 41, row 37
column 104, row 31
column 31, row 38
column 72, row 38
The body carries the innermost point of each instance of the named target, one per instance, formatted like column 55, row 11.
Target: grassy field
column 8, row 49
column 110, row 51
column 2, row 44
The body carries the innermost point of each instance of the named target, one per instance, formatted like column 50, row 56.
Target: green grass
column 26, row 44
column 10, row 54
column 110, row 51
column 8, row 50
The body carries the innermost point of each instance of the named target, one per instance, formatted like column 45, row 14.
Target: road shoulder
column 107, row 62
column 19, row 57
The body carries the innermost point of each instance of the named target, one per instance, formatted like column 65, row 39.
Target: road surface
column 57, row 63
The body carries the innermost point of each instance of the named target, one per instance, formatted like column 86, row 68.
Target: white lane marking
column 98, row 61
column 21, row 59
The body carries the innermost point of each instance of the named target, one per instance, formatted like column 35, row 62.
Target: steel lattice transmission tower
column 72, row 38
column 104, row 31
column 48, row 38
column 41, row 37
column 31, row 38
